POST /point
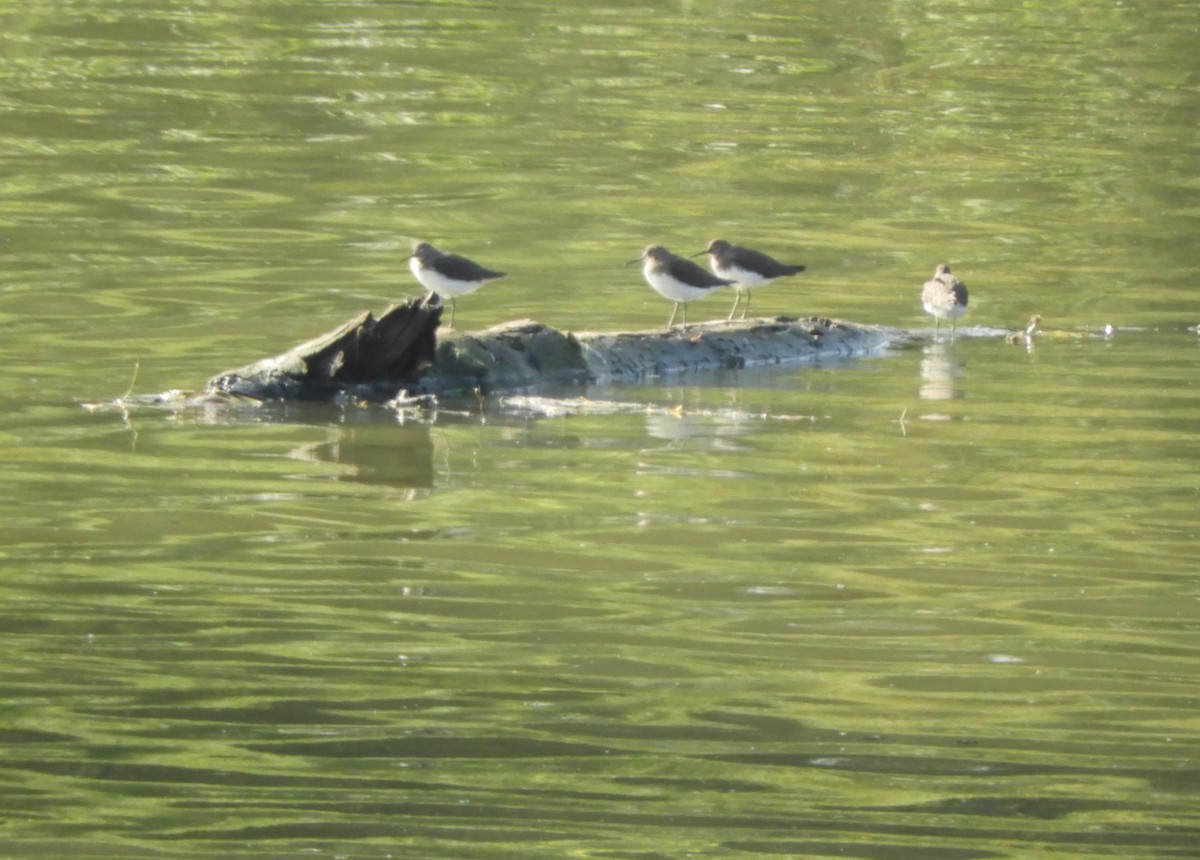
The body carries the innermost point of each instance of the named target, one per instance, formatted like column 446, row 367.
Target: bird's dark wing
column 757, row 261
column 462, row 269
column 694, row 274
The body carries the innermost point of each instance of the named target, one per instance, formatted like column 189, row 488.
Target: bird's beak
column 694, row 256
column 631, row 262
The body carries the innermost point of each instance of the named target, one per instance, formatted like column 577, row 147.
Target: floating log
column 403, row 351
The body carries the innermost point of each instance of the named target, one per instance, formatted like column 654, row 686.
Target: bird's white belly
column 744, row 278
column 436, row 282
column 945, row 309
column 669, row 288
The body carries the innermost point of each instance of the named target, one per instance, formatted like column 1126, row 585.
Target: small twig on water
column 137, row 365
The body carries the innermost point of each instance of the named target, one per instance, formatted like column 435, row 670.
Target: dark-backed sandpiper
column 677, row 278
column 746, row 267
column 448, row 274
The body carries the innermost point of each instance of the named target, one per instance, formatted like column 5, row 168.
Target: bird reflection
column 940, row 371
column 380, row 453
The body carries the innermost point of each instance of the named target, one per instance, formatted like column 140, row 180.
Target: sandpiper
column 676, row 278
column 944, row 296
column 746, row 267
column 448, row 274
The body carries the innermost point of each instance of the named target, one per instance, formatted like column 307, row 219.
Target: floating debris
column 1026, row 336
column 559, row 407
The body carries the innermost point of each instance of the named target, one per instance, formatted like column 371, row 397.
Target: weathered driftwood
column 402, row 350
column 367, row 355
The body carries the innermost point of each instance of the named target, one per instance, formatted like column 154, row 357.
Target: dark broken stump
column 375, row 358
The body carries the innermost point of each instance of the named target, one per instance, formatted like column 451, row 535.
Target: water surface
column 938, row 603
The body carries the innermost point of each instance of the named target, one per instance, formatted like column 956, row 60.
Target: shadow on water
column 378, row 453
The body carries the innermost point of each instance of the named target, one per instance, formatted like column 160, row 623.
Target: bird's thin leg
column 452, row 312
column 737, row 297
column 674, row 311
column 746, row 307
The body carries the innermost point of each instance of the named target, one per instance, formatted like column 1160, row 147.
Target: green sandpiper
column 746, row 267
column 448, row 274
column 676, row 278
column 944, row 296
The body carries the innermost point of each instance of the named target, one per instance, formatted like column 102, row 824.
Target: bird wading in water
column 945, row 297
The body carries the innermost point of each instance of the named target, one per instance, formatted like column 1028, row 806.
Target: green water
column 939, row 603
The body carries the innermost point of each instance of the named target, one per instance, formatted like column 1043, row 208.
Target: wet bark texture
column 403, row 351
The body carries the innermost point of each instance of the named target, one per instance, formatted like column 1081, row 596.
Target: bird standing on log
column 746, row 267
column 676, row 278
column 448, row 274
column 944, row 296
